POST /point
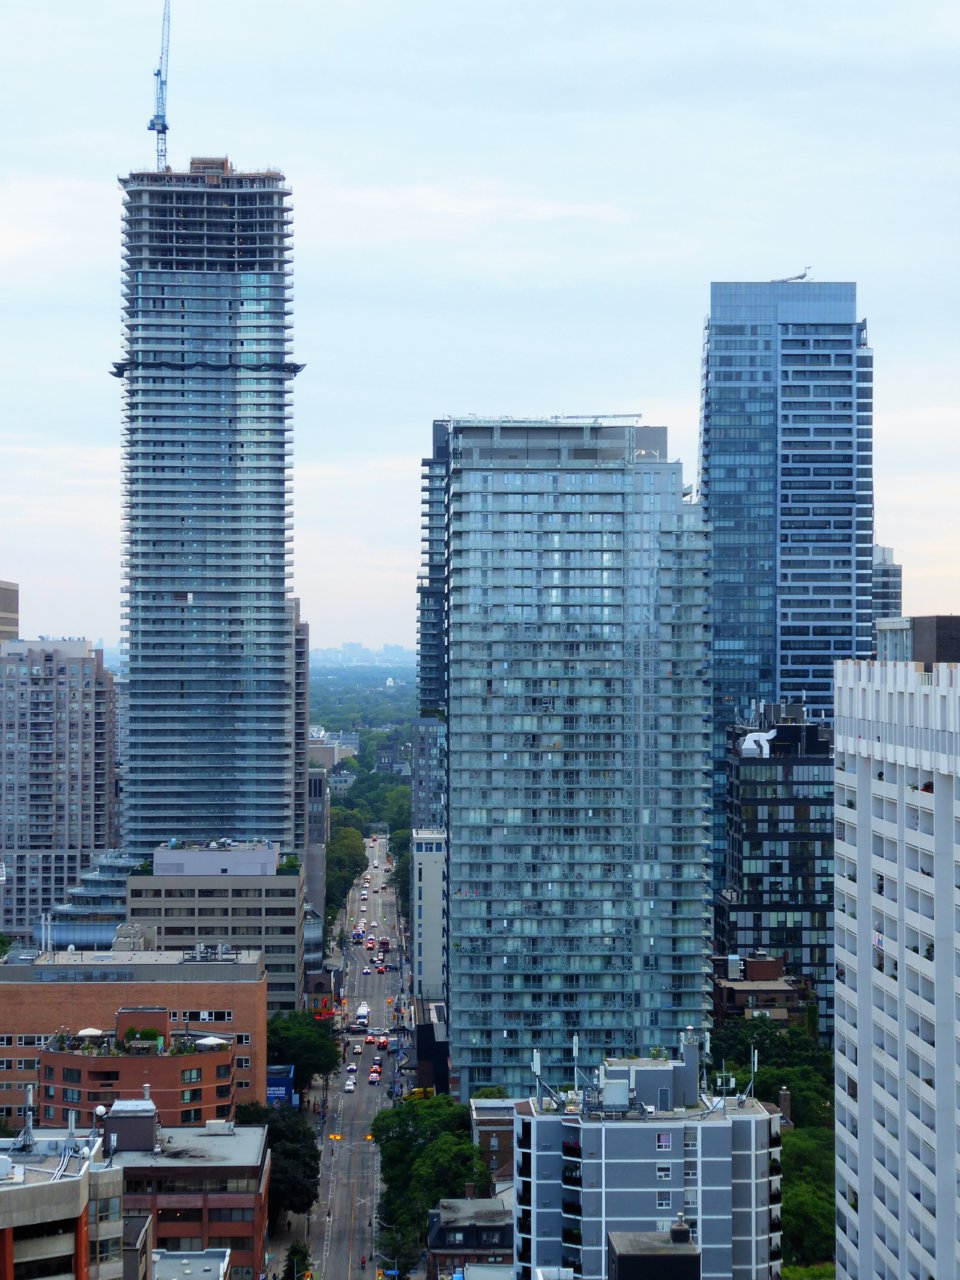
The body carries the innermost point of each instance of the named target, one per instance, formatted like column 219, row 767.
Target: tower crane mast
column 158, row 122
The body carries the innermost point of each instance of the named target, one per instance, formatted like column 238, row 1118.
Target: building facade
column 94, row 908
column 786, row 483
column 9, row 610
column 210, row 627
column 429, row 909
column 231, row 895
column 632, row 1152
column 58, row 782
column 40, row 995
column 897, row 984
column 189, row 1075
column 887, row 587
column 60, row 1208
column 779, row 895
column 205, row 1188
column 576, row 643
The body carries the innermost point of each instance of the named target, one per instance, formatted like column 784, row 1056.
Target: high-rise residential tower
column 786, row 482
column 897, row 893
column 887, row 586
column 575, row 638
column 207, row 436
column 58, row 783
column 9, row 610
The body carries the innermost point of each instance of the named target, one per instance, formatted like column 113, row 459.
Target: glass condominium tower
column 209, row 622
column 576, row 641
column 786, row 483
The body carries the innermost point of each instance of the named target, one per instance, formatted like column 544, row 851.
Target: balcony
column 571, row 1209
column 525, row 1197
column 524, row 1225
column 571, row 1175
column 572, row 1236
column 571, row 1150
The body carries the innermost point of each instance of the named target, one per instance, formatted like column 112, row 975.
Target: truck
column 363, row 1014
column 384, row 945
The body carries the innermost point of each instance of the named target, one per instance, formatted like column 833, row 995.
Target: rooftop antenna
column 790, row 279
column 158, row 122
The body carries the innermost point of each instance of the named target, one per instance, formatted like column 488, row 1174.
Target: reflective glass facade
column 576, row 636
column 786, row 482
column 207, row 439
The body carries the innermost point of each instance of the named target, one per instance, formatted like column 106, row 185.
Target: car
column 349, row 1084
column 376, row 888
column 372, row 924
column 369, row 1039
column 357, row 1049
column 392, row 968
column 376, row 864
column 377, row 1062
column 366, row 970
column 381, row 1043
column 351, row 1069
column 381, row 969
column 373, row 1077
column 371, row 945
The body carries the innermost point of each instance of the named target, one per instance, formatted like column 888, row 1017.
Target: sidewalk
column 279, row 1242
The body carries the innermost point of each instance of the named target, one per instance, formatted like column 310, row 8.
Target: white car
column 349, row 1084
column 358, row 1048
column 376, row 865
column 352, row 1069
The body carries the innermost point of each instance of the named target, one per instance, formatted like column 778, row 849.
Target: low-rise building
column 205, row 1188
column 60, row 1208
column 469, row 1230
column 40, row 993
column 231, row 894
column 757, row 987
column 189, row 1074
column 491, row 1129
column 630, row 1152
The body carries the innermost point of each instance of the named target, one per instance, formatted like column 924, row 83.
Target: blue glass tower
column 575, row 639
column 207, row 437
column 786, row 482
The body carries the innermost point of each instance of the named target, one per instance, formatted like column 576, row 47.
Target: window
column 663, row 1141
column 243, row 1064
column 663, row 1199
column 191, row 1116
column 190, row 1076
column 105, row 1250
column 663, row 1173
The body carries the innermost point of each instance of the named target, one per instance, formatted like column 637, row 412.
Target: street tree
column 298, row 1039
column 295, row 1160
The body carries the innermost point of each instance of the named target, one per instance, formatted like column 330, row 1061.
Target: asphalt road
column 345, row 1217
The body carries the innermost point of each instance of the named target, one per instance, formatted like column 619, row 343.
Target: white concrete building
column 897, row 989
column 428, row 914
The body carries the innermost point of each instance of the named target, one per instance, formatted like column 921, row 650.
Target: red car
column 381, row 969
column 382, row 1042
column 369, row 1039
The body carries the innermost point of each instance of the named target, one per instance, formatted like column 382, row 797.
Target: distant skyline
column 515, row 208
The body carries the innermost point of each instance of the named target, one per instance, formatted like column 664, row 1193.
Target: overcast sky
column 502, row 207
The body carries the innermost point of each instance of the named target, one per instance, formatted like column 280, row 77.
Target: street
column 344, row 1220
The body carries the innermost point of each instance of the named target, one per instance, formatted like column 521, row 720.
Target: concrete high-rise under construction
column 210, row 628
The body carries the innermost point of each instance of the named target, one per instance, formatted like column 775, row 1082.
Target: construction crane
column 158, row 122
column 790, row 279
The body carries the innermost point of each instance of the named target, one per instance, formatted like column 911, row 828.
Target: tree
column 443, row 1169
column 295, row 1160
column 425, row 1155
column 297, row 1038
column 490, row 1091
column 297, row 1261
column 808, row 1213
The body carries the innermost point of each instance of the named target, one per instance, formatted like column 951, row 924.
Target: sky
column 500, row 207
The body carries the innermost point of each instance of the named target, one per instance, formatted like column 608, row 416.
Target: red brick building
column 41, row 995
column 188, row 1075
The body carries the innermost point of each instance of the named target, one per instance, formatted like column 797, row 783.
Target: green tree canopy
column 297, row 1261
column 297, row 1038
column 295, row 1160
column 443, row 1169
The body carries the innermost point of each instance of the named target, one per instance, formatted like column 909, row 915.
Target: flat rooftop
column 180, row 1147
column 122, row 959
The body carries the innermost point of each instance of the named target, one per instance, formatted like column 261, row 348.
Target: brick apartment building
column 42, row 994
